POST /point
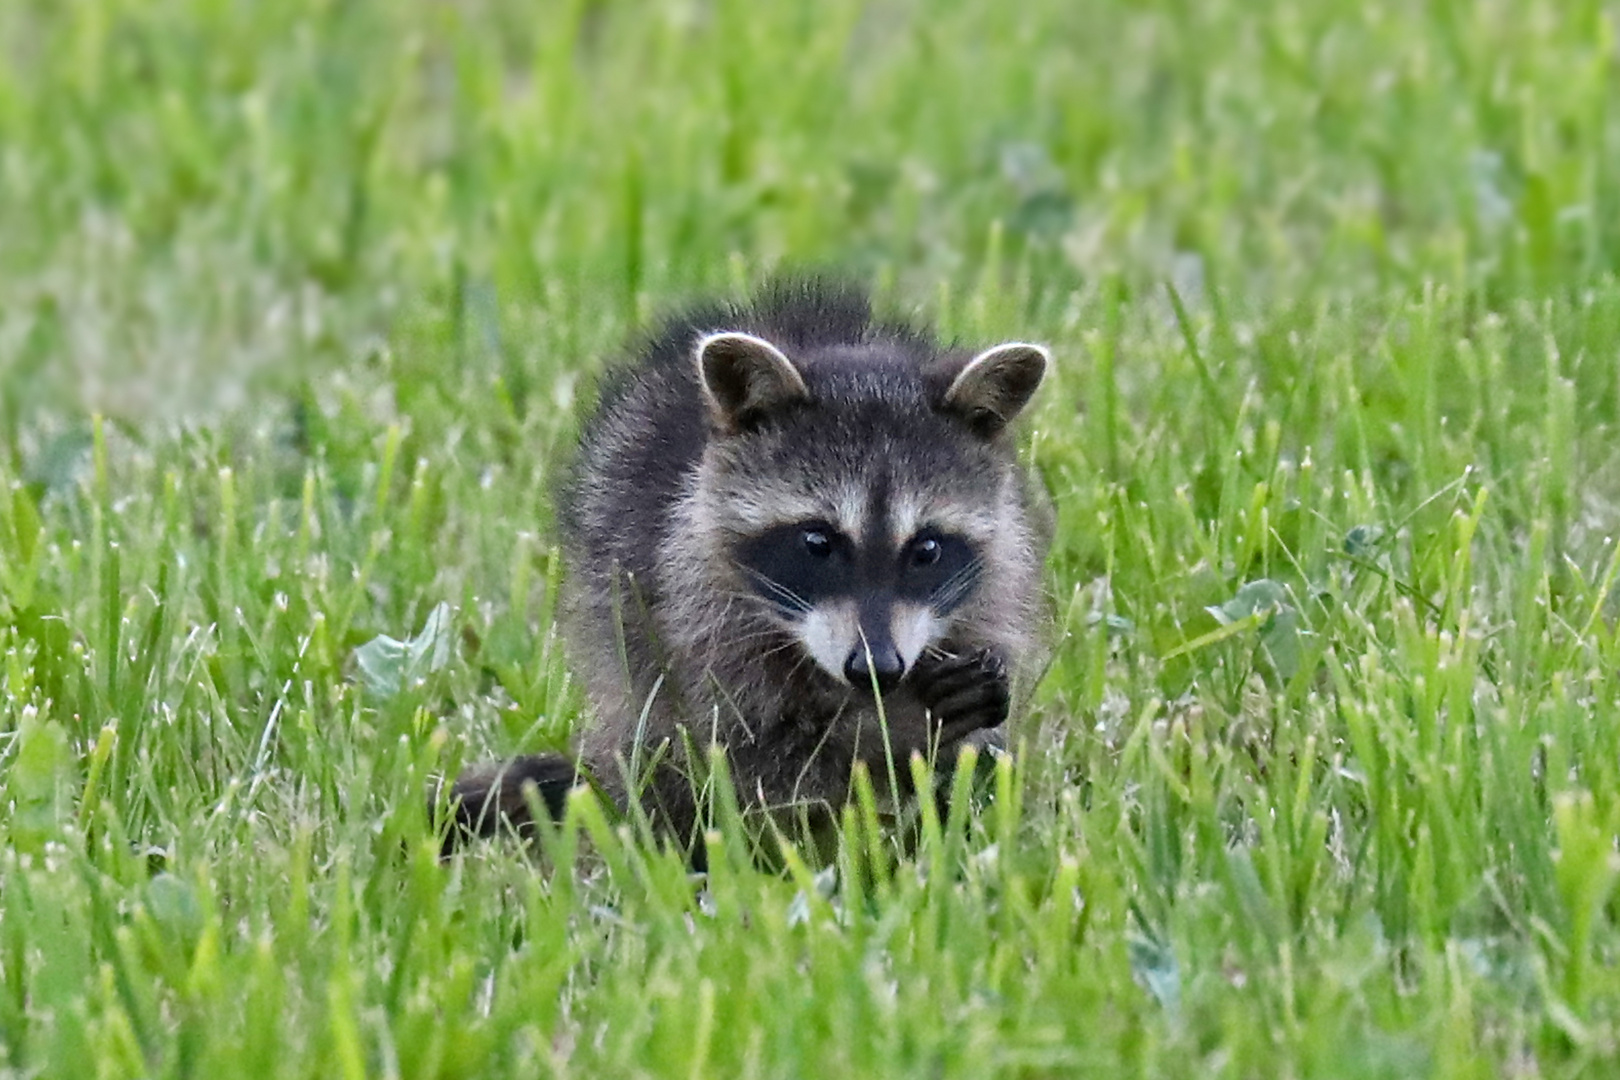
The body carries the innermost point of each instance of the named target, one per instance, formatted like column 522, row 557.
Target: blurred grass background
column 296, row 303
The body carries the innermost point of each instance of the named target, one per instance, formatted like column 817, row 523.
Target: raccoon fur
column 798, row 533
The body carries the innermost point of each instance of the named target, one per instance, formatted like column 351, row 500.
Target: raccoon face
column 861, row 496
column 862, row 608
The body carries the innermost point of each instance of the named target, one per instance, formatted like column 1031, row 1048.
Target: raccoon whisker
column 763, row 578
column 732, row 643
column 969, row 571
column 786, row 646
column 794, row 602
column 752, row 627
column 797, row 664
column 769, row 639
column 957, row 585
column 779, row 640
column 750, row 635
column 750, row 598
column 749, row 620
column 788, row 597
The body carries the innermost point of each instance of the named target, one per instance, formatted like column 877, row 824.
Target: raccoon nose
column 887, row 667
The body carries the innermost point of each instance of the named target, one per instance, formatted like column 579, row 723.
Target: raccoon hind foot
column 486, row 799
column 964, row 694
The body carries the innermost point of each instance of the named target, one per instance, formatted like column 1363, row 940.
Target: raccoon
column 799, row 533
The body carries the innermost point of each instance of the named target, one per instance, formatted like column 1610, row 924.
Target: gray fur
column 704, row 442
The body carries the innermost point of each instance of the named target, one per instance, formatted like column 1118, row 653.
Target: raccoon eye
column 817, row 543
column 926, row 552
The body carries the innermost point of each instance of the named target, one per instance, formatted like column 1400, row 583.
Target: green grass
column 296, row 300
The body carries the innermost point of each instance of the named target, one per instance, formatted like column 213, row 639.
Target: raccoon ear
column 745, row 377
column 993, row 387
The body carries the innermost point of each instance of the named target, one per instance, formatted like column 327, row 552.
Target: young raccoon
column 797, row 533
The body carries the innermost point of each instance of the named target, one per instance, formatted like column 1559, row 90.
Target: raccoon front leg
column 963, row 694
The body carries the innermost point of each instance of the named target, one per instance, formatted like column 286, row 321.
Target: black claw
column 957, row 684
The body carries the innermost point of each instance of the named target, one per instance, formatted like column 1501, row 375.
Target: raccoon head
column 863, row 493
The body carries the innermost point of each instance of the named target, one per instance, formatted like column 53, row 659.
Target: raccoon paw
column 964, row 694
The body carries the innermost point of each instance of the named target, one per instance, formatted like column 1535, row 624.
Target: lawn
column 298, row 302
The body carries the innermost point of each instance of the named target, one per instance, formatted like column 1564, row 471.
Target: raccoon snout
column 887, row 668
